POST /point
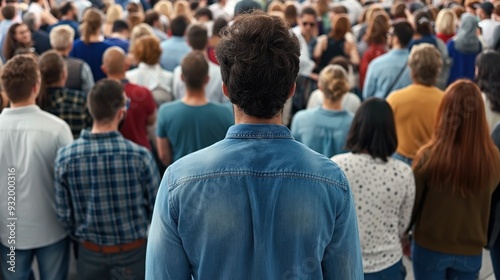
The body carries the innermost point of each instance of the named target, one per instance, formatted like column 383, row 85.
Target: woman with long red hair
column 455, row 174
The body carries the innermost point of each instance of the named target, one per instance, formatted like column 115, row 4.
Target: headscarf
column 466, row 40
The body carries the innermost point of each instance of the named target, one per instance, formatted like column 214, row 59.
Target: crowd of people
column 296, row 140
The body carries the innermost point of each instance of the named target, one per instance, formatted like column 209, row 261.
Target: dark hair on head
column 133, row 7
column 8, row 12
column 151, row 17
column 91, row 24
column 105, row 100
column 339, row 9
column 179, row 25
column 488, row 73
column 373, row 130
column 120, row 26
column 398, row 10
column 194, row 5
column 10, row 44
column 291, row 14
column 51, row 65
column 197, row 37
column 19, row 75
column 203, row 12
column 423, row 24
column 65, row 8
column 259, row 80
column 194, row 68
column 403, row 31
column 308, row 10
column 340, row 26
column 341, row 61
column 219, row 24
column 376, row 33
column 461, row 156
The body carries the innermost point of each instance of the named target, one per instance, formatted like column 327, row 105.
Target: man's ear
column 207, row 78
column 103, row 68
column 182, row 78
column 292, row 90
column 224, row 90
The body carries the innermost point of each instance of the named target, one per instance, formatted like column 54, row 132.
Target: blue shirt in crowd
column 122, row 44
column 463, row 64
column 383, row 72
column 256, row 205
column 173, row 51
column 92, row 54
column 73, row 24
column 324, row 131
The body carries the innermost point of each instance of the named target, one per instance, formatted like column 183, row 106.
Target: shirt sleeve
column 407, row 205
column 63, row 197
column 149, row 102
column 161, row 124
column 151, row 181
column 87, row 78
column 160, row 263
column 370, row 83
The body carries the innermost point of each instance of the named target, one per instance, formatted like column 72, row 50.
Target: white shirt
column 487, row 30
column 350, row 101
column 213, row 89
column 306, row 64
column 35, row 8
column 152, row 77
column 384, row 194
column 492, row 117
column 29, row 139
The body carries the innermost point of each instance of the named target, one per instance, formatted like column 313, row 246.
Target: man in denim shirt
column 258, row 204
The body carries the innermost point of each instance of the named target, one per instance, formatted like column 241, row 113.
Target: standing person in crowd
column 376, row 38
column 40, row 38
column 486, row 24
column 494, row 223
column 219, row 24
column 9, row 13
column 175, row 48
column 113, row 13
column 110, row 224
column 17, row 40
column 36, row 135
column 149, row 73
column 463, row 49
column 197, row 38
column 389, row 72
column 457, row 168
column 324, row 129
column 79, row 73
column 383, row 189
column 335, row 44
column 152, row 18
column 91, row 47
column 142, row 108
column 120, row 35
column 275, row 233
column 41, row 9
column 67, row 104
column 487, row 73
column 69, row 16
column 193, row 122
column 446, row 24
column 415, row 106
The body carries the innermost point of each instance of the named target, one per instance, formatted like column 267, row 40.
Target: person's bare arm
column 320, row 48
column 352, row 51
column 164, row 151
column 151, row 118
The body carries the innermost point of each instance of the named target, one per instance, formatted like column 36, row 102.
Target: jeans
column 431, row 265
column 53, row 261
column 402, row 158
column 116, row 266
column 394, row 272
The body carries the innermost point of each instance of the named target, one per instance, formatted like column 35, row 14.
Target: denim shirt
column 256, row 205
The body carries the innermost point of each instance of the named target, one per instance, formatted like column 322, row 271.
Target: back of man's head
column 151, row 17
column 32, row 20
column 61, row 37
column 119, row 26
column 308, row 11
column 197, row 37
column 105, row 100
column 19, row 76
column 194, row 68
column 65, row 8
column 403, row 31
column 113, row 61
column 52, row 66
column 179, row 25
column 259, row 61
column 9, row 12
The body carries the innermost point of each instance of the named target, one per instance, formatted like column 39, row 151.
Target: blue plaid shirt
column 105, row 188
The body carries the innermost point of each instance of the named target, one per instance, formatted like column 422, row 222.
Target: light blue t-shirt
column 324, row 131
column 173, row 51
column 191, row 128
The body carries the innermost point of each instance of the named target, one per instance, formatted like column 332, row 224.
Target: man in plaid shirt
column 105, row 191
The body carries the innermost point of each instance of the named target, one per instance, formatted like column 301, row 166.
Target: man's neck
column 195, row 98
column 241, row 118
column 306, row 37
column 64, row 53
column 118, row 77
column 396, row 47
column 104, row 127
column 332, row 105
column 29, row 102
column 59, row 84
column 68, row 18
column 118, row 35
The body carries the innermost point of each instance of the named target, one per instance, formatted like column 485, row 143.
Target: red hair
column 461, row 154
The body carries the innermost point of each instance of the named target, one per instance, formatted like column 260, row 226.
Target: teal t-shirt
column 191, row 128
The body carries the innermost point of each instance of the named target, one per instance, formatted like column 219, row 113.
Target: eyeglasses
column 312, row 24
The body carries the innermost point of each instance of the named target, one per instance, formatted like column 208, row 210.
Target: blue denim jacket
column 256, row 205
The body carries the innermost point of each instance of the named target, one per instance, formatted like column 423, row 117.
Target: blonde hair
column 275, row 6
column 114, row 13
column 333, row 82
column 164, row 7
column 140, row 30
column 446, row 22
column 425, row 64
column 61, row 37
column 91, row 24
column 182, row 8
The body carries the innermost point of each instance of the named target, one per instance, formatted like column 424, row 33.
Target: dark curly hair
column 259, row 62
column 488, row 71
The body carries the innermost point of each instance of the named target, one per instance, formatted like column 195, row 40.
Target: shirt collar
column 258, row 131
column 87, row 135
column 21, row 110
